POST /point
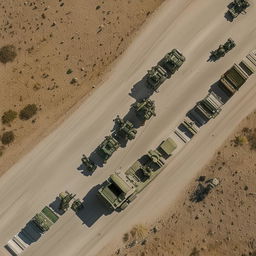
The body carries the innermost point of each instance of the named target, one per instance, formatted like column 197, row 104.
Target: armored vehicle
column 89, row 164
column 210, row 106
column 172, row 61
column 223, row 49
column 122, row 188
column 145, row 109
column 65, row 198
column 237, row 7
column 108, row 147
column 45, row 219
column 77, row 205
column 156, row 76
column 125, row 129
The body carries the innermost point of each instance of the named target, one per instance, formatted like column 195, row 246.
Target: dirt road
column 195, row 27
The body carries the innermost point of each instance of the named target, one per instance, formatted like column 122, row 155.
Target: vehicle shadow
column 132, row 117
column 228, row 16
column 93, row 208
column 55, row 206
column 140, row 90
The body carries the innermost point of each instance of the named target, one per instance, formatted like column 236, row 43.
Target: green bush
column 7, row 53
column 9, row 116
column 7, row 137
column 27, row 112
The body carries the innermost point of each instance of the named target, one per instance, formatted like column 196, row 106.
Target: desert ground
column 223, row 223
column 52, row 37
column 195, row 27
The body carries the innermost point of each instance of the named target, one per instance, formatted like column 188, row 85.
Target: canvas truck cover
column 168, row 146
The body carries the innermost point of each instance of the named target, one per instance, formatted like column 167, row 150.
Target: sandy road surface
column 195, row 27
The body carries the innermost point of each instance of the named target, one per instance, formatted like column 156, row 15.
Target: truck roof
column 168, row 146
column 122, row 184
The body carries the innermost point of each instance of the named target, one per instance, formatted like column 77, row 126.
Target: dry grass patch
column 27, row 112
column 9, row 116
column 7, row 137
column 139, row 232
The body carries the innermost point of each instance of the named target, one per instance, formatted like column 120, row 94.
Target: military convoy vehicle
column 45, row 219
column 156, row 76
column 233, row 79
column 237, row 7
column 223, row 49
column 89, row 164
column 108, row 147
column 210, row 106
column 122, row 188
column 125, row 129
column 65, row 198
column 77, row 205
column 145, row 109
column 39, row 224
column 172, row 61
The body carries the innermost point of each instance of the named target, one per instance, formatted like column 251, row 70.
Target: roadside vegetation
column 9, row 116
column 27, row 112
column 7, row 53
column 7, row 137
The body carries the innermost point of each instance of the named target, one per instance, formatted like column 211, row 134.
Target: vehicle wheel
column 124, row 205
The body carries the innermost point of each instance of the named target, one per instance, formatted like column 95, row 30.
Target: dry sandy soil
column 224, row 223
column 52, row 37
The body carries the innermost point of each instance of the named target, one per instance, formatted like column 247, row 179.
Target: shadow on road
column 55, row 206
column 132, row 117
column 228, row 16
column 140, row 90
column 93, row 208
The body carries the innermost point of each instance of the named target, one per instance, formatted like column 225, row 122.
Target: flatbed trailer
column 121, row 188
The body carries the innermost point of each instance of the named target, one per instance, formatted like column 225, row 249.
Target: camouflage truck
column 210, row 106
column 108, row 147
column 121, row 188
column 156, row 76
column 237, row 7
column 125, row 129
column 144, row 109
column 172, row 61
column 88, row 163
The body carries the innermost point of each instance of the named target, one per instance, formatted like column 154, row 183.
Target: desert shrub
column 139, row 232
column 7, row 137
column 7, row 53
column 125, row 237
column 240, row 140
column 195, row 252
column 9, row 116
column 27, row 112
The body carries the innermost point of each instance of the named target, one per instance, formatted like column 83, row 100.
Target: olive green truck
column 121, row 188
